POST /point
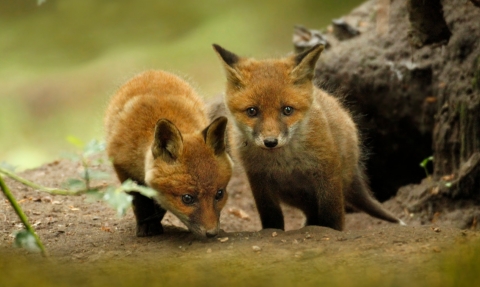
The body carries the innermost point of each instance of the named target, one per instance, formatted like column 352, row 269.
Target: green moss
column 476, row 75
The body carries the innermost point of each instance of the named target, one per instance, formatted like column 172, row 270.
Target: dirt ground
column 89, row 244
column 80, row 233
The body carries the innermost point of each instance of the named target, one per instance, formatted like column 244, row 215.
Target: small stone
column 436, row 229
column 274, row 234
column 308, row 236
column 223, row 239
column 256, row 248
column 238, row 213
column 47, row 199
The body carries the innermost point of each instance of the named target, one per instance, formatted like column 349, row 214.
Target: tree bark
column 414, row 99
column 427, row 25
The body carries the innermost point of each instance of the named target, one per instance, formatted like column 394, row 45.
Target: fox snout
column 269, row 133
column 202, row 232
column 211, row 232
column 270, row 142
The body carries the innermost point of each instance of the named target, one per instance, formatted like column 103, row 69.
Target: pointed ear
column 214, row 135
column 229, row 61
column 305, row 64
column 168, row 141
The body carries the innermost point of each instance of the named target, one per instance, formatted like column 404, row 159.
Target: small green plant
column 26, row 238
column 88, row 159
column 424, row 163
column 117, row 197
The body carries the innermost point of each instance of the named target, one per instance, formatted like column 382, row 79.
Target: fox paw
column 149, row 229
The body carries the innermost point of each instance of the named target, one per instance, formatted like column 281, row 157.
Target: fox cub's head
column 269, row 99
column 191, row 174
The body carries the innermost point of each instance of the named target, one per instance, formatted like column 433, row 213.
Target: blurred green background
column 61, row 61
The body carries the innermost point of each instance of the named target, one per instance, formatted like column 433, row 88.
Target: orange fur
column 296, row 142
column 157, row 134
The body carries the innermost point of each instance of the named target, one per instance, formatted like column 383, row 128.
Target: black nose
column 270, row 142
column 211, row 234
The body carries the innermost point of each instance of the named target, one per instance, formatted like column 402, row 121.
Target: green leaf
column 74, row 184
column 93, row 147
column 7, row 166
column 71, row 156
column 425, row 161
column 118, row 199
column 95, row 174
column 75, row 141
column 94, row 195
column 97, row 161
column 25, row 239
column 130, row 185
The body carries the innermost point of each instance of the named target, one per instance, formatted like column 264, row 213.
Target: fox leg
column 148, row 215
column 328, row 210
column 268, row 205
column 269, row 209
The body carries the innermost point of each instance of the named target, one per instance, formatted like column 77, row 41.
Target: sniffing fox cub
column 157, row 134
column 297, row 143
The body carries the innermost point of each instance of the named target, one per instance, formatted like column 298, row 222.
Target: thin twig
column 22, row 215
column 87, row 174
column 54, row 191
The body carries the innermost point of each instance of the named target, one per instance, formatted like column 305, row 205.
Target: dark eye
column 287, row 110
column 252, row 112
column 219, row 194
column 188, row 199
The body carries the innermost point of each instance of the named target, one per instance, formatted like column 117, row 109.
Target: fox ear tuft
column 230, row 60
column 214, row 135
column 228, row 57
column 305, row 63
column 168, row 142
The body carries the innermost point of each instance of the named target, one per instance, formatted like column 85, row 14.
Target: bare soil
column 80, row 233
column 84, row 237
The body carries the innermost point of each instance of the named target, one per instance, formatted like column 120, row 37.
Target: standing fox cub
column 157, row 135
column 297, row 143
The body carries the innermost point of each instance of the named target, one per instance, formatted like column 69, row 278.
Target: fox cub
column 157, row 135
column 296, row 143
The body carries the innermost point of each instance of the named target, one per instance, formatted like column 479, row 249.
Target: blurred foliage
column 458, row 268
column 62, row 60
column 90, row 157
column 25, row 239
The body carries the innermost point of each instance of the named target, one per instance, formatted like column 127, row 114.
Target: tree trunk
column 416, row 98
